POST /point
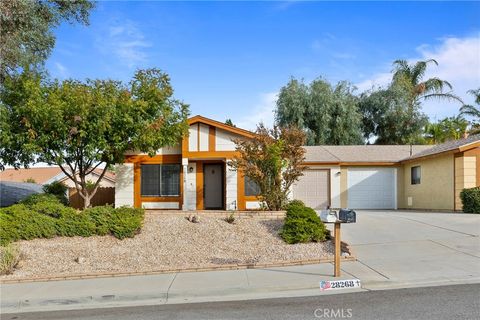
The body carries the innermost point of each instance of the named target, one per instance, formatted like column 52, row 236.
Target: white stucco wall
column 224, row 140
column 124, row 185
column 204, row 137
column 191, row 192
column 193, row 138
column 161, row 205
column 231, row 188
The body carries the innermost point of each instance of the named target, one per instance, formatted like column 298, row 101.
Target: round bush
column 302, row 225
column 126, row 222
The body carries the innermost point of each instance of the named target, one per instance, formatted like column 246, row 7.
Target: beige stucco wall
column 343, row 187
column 435, row 190
column 465, row 176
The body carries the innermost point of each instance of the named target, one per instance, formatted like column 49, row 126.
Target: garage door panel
column 371, row 188
column 313, row 188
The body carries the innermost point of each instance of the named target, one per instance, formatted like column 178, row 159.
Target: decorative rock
column 19, row 264
column 193, row 218
column 80, row 260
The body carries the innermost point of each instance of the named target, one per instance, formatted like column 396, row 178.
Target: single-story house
column 46, row 175
column 194, row 175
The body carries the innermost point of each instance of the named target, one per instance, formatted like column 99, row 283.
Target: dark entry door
column 213, row 186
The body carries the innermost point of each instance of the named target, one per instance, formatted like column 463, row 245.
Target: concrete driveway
column 408, row 247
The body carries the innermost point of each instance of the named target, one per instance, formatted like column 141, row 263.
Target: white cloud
column 459, row 63
column 263, row 111
column 61, row 70
column 126, row 42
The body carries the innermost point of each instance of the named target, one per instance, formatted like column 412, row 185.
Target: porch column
column 184, row 194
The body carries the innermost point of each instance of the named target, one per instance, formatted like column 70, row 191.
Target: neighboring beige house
column 46, row 175
column 390, row 177
column 194, row 175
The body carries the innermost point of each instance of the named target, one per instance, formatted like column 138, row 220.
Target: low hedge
column 302, row 224
column 45, row 217
column 471, row 200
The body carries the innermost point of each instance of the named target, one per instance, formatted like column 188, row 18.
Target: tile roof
column 361, row 153
column 40, row 175
column 444, row 147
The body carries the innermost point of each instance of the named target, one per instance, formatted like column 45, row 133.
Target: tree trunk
column 86, row 202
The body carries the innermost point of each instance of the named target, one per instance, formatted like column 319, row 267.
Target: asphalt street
column 441, row 302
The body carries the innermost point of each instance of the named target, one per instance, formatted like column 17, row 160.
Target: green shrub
column 21, row 222
column 126, row 222
column 39, row 197
column 52, row 209
column 75, row 223
column 302, row 225
column 47, row 219
column 10, row 255
column 471, row 200
column 295, row 203
column 57, row 189
column 101, row 218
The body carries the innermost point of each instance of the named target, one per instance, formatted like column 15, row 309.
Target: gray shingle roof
column 361, row 153
column 447, row 146
column 12, row 192
column 380, row 153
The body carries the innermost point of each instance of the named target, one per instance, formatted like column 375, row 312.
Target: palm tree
column 410, row 77
column 472, row 111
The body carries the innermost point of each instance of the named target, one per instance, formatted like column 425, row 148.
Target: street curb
column 181, row 270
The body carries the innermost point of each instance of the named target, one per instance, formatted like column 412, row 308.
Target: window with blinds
column 251, row 187
column 158, row 180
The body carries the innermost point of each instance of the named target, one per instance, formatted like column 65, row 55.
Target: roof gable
column 221, row 125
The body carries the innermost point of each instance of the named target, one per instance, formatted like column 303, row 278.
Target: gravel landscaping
column 166, row 242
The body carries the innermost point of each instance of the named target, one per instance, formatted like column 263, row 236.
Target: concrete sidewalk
column 394, row 250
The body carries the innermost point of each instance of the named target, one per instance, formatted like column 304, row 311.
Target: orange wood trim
column 161, row 158
column 241, row 202
column 136, row 185
column 185, row 143
column 210, row 155
column 199, row 185
column 161, row 199
column 251, row 198
column 211, row 138
column 220, row 125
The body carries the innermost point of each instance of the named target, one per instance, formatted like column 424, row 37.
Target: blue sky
column 229, row 59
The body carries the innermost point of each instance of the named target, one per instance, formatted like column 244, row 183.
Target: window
column 251, row 187
column 415, row 175
column 160, row 180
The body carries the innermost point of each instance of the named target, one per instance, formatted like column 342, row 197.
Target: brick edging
column 182, row 270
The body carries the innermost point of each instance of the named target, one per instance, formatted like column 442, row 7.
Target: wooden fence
column 103, row 196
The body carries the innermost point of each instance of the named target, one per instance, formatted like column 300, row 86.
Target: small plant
column 193, row 218
column 30, row 180
column 57, row 189
column 10, row 256
column 230, row 219
column 471, row 200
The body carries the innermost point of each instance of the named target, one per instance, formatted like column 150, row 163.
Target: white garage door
column 312, row 188
column 371, row 188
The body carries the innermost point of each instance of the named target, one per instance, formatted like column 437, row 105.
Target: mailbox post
column 338, row 249
column 345, row 216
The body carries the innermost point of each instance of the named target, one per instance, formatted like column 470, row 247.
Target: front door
column 213, row 186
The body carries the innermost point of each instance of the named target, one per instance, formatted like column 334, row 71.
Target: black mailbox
column 347, row 216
